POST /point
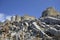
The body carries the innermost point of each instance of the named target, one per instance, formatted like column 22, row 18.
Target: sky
column 35, row 8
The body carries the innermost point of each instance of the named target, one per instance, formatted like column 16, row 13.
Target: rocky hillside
column 27, row 27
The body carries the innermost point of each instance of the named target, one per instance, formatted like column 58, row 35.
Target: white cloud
column 3, row 20
column 2, row 17
column 8, row 17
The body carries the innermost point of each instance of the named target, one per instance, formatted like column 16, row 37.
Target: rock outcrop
column 31, row 28
column 50, row 12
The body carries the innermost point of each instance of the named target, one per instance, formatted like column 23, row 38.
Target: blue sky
column 21, row 7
